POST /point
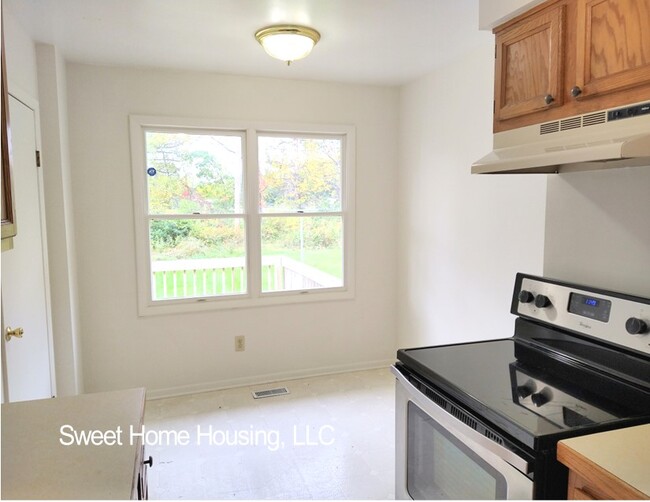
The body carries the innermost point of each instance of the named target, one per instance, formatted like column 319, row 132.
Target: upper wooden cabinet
column 613, row 45
column 568, row 57
column 529, row 62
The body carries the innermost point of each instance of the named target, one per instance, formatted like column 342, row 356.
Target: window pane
column 197, row 258
column 194, row 173
column 302, row 252
column 299, row 174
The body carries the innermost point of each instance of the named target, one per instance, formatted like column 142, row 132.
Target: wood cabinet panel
column 613, row 43
column 8, row 206
column 529, row 65
column 604, row 52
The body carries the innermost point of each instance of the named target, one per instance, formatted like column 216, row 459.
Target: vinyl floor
column 331, row 437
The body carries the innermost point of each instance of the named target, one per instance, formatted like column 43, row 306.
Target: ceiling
column 384, row 42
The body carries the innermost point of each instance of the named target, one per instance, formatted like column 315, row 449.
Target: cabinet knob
column 548, row 99
column 148, row 462
column 16, row 332
column 576, row 91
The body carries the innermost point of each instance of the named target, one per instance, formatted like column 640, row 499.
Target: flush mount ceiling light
column 287, row 42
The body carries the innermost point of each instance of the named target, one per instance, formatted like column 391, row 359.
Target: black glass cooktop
column 526, row 393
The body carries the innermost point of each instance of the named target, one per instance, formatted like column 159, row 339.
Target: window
column 235, row 215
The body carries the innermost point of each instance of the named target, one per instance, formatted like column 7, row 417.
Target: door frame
column 32, row 103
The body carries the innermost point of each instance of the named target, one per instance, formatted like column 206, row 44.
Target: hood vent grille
column 549, row 127
column 573, row 123
column 594, row 119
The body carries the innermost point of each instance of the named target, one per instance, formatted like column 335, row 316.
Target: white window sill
column 190, row 305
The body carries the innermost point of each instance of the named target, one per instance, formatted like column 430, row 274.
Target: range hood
column 600, row 140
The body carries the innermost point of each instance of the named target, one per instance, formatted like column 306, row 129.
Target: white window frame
column 254, row 297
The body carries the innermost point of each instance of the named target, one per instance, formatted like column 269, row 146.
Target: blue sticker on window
column 151, row 171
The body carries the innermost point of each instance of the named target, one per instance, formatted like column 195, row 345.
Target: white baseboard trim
column 183, row 390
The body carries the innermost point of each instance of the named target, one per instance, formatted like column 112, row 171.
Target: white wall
column 598, row 229
column 462, row 237
column 58, row 206
column 20, row 56
column 492, row 13
column 23, row 68
column 188, row 352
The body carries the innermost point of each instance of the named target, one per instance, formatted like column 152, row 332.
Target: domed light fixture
column 287, row 42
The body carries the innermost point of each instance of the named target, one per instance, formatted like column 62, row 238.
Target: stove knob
column 542, row 397
column 542, row 301
column 525, row 296
column 526, row 389
column 636, row 326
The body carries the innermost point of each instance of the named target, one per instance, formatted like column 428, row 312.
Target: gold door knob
column 17, row 332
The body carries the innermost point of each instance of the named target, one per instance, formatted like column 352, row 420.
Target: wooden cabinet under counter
column 610, row 465
column 42, row 460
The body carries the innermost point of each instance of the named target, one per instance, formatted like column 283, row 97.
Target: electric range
column 482, row 420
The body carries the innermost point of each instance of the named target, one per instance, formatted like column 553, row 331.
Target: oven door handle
column 451, row 423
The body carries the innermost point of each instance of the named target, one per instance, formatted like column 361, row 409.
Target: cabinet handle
column 576, row 91
column 17, row 333
column 148, row 462
column 548, row 99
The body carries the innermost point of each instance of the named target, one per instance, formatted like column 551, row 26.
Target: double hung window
column 234, row 215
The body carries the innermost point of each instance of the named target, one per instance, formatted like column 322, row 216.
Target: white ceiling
column 387, row 42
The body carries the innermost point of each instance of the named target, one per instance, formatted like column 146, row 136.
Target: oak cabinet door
column 613, row 45
column 529, row 64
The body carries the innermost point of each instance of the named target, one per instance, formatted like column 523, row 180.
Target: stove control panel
column 613, row 317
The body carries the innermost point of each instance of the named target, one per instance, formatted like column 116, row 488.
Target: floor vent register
column 280, row 391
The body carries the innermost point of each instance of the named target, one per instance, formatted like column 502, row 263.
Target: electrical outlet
column 240, row 343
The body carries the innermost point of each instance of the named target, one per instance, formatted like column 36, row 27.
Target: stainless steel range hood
column 601, row 140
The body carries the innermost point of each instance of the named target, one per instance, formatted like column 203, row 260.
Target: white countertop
column 35, row 465
column 624, row 453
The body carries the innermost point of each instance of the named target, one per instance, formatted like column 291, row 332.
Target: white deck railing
column 226, row 276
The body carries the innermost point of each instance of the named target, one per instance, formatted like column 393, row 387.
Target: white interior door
column 27, row 361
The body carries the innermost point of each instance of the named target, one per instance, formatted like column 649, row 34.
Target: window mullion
column 253, row 238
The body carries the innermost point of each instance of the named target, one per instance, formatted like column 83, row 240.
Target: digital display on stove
column 588, row 306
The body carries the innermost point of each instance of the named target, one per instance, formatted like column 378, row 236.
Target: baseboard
column 183, row 390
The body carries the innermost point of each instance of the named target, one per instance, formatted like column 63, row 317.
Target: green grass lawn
column 327, row 260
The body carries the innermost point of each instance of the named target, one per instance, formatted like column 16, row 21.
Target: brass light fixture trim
column 287, row 42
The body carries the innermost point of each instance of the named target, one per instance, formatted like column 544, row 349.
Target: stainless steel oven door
column 438, row 457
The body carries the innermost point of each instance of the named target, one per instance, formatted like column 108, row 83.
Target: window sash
column 304, row 136
column 299, row 275
column 209, row 277
column 196, row 132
